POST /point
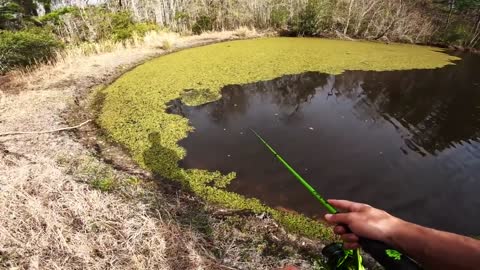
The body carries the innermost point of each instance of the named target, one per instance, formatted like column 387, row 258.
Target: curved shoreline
column 129, row 110
column 71, row 199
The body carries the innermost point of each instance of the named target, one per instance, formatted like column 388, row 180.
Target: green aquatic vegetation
column 134, row 108
column 199, row 96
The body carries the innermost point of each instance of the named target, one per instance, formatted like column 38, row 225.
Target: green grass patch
column 133, row 181
column 134, row 114
column 104, row 184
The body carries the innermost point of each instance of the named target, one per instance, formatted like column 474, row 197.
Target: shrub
column 242, row 32
column 55, row 17
column 202, row 24
column 167, row 45
column 10, row 15
column 139, row 29
column 123, row 27
column 279, row 16
column 142, row 28
column 457, row 35
column 121, row 22
column 27, row 47
column 313, row 19
column 94, row 24
column 181, row 16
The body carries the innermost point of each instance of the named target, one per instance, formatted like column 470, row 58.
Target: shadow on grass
column 219, row 231
column 180, row 203
column 159, row 158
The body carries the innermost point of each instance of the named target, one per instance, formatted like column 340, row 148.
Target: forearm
column 431, row 248
column 436, row 249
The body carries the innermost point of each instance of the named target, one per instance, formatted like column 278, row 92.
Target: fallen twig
column 45, row 131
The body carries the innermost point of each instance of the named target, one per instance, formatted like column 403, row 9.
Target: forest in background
column 33, row 31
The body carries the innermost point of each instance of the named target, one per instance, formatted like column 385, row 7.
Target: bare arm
column 432, row 248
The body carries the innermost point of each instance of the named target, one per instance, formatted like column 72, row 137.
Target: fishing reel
column 339, row 258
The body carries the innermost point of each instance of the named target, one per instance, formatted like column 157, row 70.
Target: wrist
column 395, row 230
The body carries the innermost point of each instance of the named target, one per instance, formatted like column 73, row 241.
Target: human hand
column 363, row 221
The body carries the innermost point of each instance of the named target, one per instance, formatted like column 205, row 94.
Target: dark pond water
column 404, row 141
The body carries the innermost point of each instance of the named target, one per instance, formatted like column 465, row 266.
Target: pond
column 404, row 141
column 382, row 134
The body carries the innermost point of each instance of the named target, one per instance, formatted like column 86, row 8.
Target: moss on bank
column 134, row 108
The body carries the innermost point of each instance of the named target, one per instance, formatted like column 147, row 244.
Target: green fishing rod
column 387, row 256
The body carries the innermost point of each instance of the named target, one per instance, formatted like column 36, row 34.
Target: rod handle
column 387, row 256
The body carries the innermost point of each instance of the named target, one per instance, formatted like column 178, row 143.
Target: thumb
column 341, row 218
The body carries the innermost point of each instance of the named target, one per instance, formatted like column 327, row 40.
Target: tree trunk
column 383, row 33
column 360, row 20
column 348, row 19
column 450, row 12
column 47, row 5
column 476, row 32
column 28, row 6
column 392, row 24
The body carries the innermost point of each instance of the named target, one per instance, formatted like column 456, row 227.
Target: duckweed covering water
column 134, row 107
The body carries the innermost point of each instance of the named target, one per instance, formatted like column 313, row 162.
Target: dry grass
column 91, row 58
column 50, row 221
column 63, row 207
column 105, row 57
column 244, row 32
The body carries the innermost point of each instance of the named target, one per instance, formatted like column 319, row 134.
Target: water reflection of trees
column 433, row 109
column 289, row 93
column 438, row 107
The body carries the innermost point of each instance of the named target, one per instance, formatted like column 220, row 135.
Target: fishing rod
column 387, row 256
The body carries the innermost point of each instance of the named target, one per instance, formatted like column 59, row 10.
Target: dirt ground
column 69, row 200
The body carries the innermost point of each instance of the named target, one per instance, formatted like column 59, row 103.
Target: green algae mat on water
column 134, row 109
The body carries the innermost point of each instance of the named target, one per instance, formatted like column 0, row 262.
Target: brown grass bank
column 69, row 200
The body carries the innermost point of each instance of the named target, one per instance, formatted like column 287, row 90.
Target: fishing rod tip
column 253, row 131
